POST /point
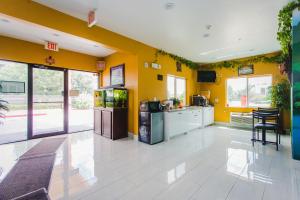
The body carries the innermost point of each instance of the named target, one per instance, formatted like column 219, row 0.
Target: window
column 81, row 100
column 249, row 92
column 176, row 87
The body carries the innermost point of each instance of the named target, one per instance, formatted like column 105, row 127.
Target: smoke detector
column 208, row 26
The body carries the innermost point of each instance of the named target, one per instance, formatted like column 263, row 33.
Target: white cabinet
column 173, row 123
column 208, row 116
column 182, row 121
column 195, row 118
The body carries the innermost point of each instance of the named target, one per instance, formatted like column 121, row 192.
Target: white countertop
column 187, row 108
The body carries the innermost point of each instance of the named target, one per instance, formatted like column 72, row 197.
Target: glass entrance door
column 13, row 95
column 48, row 102
column 81, row 100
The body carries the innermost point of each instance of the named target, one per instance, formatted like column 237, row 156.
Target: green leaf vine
column 226, row 64
column 284, row 34
column 190, row 64
column 251, row 60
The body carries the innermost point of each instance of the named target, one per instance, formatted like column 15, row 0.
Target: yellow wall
column 218, row 89
column 150, row 87
column 22, row 51
column 131, row 82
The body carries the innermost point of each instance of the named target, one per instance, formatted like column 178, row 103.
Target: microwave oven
column 150, row 106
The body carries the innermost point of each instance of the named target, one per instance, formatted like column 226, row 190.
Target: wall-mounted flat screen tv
column 206, row 76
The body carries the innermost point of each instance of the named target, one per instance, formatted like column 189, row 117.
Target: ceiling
column 19, row 29
column 200, row 30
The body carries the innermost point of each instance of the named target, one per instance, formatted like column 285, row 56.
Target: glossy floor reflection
column 210, row 163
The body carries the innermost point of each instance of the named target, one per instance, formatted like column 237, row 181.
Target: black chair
column 268, row 119
column 274, row 121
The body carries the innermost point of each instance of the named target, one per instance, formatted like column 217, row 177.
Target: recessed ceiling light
column 208, row 26
column 225, row 56
column 206, row 35
column 56, row 34
column 5, row 20
column 169, row 5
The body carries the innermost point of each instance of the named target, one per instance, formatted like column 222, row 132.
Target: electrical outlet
column 146, row 64
column 216, row 100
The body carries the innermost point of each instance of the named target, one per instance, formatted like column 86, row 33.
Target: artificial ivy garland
column 226, row 64
column 284, row 34
column 251, row 60
column 188, row 63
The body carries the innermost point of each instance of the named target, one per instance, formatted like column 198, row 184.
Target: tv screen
column 206, row 76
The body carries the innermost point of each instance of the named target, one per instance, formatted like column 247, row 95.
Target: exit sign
column 52, row 46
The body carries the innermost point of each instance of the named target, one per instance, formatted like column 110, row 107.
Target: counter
column 180, row 121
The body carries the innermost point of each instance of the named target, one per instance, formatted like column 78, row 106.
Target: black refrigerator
column 151, row 127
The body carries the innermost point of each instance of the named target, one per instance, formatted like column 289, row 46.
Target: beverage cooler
column 151, row 123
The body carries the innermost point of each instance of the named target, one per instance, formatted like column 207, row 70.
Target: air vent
column 239, row 119
column 169, row 5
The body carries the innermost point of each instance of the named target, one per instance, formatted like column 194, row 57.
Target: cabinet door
column 119, row 124
column 180, row 125
column 172, row 124
column 197, row 118
column 206, row 116
column 200, row 119
column 106, row 123
column 168, row 128
column 189, row 121
column 97, row 121
column 212, row 115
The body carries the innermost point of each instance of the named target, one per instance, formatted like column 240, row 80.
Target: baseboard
column 221, row 124
column 133, row 136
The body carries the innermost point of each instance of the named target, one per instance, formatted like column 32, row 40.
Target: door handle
column 48, row 102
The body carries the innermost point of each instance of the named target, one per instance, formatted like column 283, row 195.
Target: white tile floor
column 211, row 163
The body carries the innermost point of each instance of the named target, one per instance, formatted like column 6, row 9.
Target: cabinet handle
column 195, row 115
column 179, row 113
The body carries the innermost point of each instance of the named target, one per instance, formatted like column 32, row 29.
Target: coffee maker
column 198, row 100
